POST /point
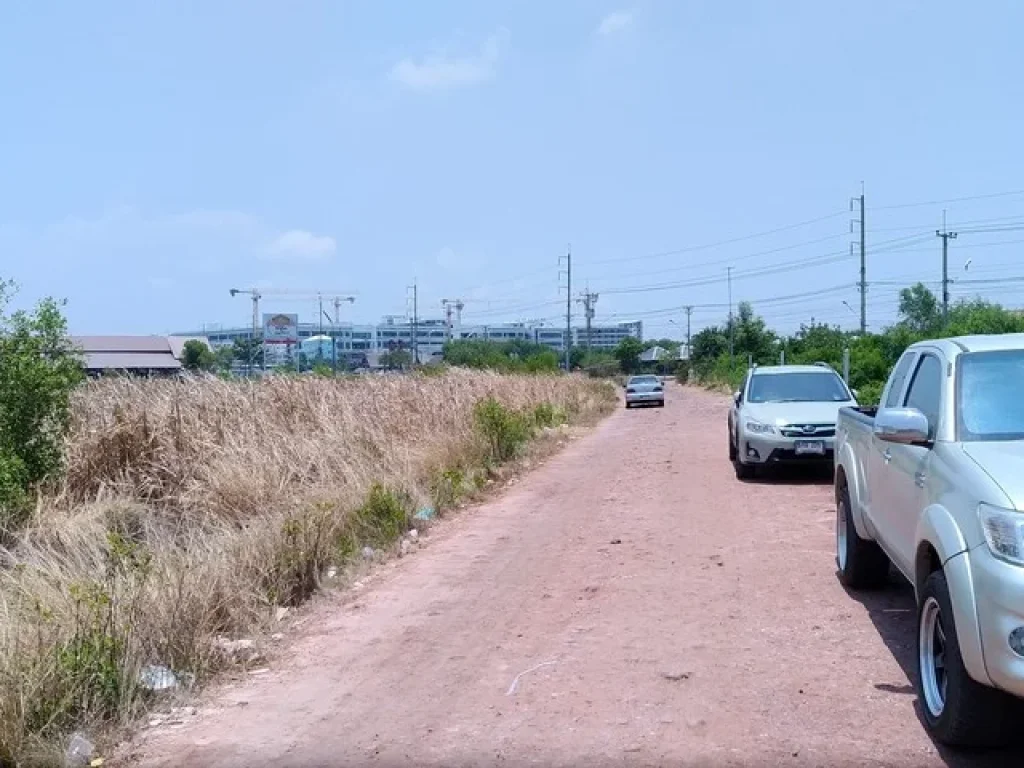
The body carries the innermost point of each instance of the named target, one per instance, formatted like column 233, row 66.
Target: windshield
column 645, row 380
column 804, row 387
column 990, row 402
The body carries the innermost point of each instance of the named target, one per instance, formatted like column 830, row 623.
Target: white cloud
column 300, row 244
column 441, row 70
column 615, row 22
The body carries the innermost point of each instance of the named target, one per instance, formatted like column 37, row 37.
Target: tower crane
column 448, row 304
column 257, row 293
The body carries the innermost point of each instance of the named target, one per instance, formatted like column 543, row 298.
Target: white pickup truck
column 933, row 481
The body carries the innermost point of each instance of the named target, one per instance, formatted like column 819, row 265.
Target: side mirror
column 737, row 396
column 905, row 426
column 854, row 393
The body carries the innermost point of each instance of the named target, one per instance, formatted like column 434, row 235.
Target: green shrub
column 89, row 675
column 504, row 430
column 512, row 356
column 304, row 552
column 870, row 393
column 544, row 415
column 14, row 500
column 384, row 516
column 39, row 369
column 447, row 487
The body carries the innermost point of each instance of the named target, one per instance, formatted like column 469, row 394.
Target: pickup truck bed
column 862, row 413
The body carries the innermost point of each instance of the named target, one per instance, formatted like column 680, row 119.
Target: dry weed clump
column 194, row 509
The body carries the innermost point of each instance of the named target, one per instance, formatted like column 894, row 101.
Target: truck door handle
column 887, row 456
column 919, row 478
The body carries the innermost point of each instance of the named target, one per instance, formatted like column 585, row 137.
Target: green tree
column 978, row 316
column 223, row 358
column 396, row 359
column 816, row 341
column 197, row 356
column 628, row 354
column 39, row 369
column 248, row 351
column 752, row 338
column 709, row 344
column 671, row 345
column 919, row 310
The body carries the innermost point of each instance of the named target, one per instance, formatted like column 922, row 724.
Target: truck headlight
column 760, row 429
column 1004, row 532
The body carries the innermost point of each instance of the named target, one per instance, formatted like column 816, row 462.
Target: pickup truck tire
column 861, row 563
column 732, row 448
column 957, row 710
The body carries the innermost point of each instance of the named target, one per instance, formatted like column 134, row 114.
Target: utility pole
column 415, row 323
column 588, row 300
column 862, row 284
column 728, row 272
column 689, row 312
column 946, row 236
column 568, row 307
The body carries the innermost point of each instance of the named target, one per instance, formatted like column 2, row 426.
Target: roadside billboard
column 279, row 328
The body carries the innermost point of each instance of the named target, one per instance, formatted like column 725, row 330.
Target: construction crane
column 448, row 304
column 256, row 294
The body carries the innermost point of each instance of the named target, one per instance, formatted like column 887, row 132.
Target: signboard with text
column 280, row 328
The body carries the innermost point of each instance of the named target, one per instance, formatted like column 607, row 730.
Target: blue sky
column 156, row 154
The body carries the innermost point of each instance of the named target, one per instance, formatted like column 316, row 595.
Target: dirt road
column 628, row 603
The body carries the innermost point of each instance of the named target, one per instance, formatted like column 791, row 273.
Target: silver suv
column 785, row 414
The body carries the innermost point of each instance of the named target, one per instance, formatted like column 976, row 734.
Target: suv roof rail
column 822, row 364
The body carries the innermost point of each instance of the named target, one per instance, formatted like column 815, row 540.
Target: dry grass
column 193, row 509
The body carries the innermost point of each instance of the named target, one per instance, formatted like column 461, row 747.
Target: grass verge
column 193, row 511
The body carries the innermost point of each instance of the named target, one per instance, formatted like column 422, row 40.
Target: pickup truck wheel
column 957, row 710
column 861, row 563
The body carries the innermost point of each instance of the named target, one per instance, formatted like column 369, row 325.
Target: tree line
column 872, row 355
column 521, row 356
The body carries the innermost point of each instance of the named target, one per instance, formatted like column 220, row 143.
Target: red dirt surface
column 627, row 603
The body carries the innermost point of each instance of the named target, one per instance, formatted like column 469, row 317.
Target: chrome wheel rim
column 841, row 535
column 932, row 658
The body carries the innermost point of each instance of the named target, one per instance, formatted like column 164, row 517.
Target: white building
column 354, row 341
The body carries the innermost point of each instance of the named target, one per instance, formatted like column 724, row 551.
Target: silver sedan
column 644, row 390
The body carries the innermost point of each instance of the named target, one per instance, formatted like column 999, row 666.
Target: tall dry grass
column 194, row 509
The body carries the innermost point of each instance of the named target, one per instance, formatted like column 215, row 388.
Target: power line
column 893, row 244
column 754, row 301
column 758, row 272
column 720, row 262
column 989, row 196
column 718, row 244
